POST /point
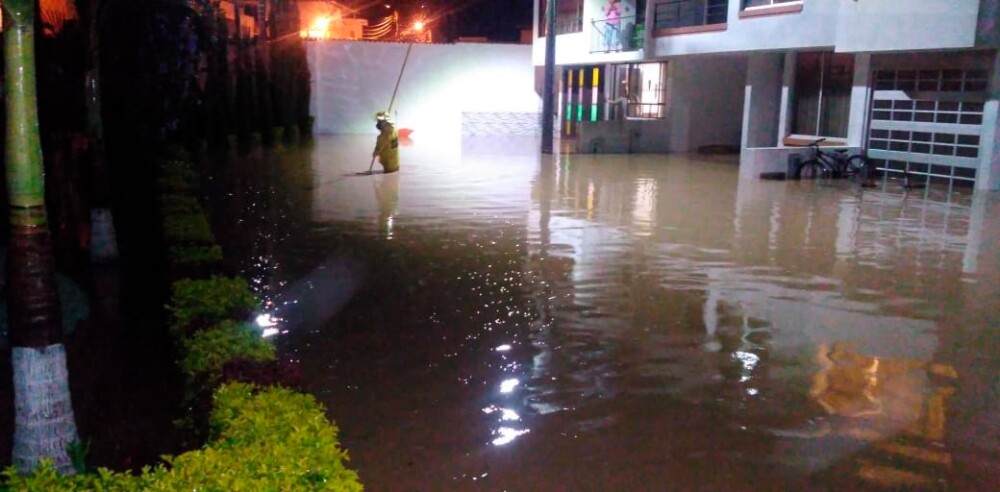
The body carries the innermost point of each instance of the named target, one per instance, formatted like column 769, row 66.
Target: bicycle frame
column 836, row 163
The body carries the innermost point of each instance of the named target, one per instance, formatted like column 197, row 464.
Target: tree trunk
column 242, row 86
column 265, row 115
column 44, row 422
column 103, row 242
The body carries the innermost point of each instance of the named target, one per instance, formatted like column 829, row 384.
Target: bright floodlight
column 321, row 23
column 418, row 26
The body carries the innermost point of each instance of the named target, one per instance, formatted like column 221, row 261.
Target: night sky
column 498, row 20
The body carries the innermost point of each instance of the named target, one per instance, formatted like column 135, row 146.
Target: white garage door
column 928, row 122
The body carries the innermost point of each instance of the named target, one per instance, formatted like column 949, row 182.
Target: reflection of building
column 891, row 402
column 783, row 270
column 754, row 74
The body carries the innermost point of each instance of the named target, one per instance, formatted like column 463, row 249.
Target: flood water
column 492, row 319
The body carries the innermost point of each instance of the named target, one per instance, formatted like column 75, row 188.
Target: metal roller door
column 928, row 122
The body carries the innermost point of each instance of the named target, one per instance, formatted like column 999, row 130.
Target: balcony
column 685, row 16
column 622, row 34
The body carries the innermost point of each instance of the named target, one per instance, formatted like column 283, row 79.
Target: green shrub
column 208, row 301
column 176, row 175
column 178, row 166
column 207, row 351
column 177, row 204
column 262, row 439
column 45, row 478
column 195, row 254
column 188, row 228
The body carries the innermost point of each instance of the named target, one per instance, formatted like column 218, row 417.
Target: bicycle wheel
column 811, row 169
column 856, row 165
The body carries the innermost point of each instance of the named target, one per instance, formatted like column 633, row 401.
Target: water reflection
column 387, row 195
column 560, row 322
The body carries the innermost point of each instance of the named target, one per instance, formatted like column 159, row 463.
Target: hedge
column 261, row 438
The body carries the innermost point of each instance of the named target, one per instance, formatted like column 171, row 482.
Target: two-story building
column 915, row 84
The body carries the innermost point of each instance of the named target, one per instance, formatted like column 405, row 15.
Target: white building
column 915, row 83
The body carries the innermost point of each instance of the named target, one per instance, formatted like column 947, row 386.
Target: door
column 928, row 122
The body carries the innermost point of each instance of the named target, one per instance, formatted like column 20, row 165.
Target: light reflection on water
column 618, row 321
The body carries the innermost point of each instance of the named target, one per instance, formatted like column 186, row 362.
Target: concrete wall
column 988, row 33
column 623, row 137
column 988, row 177
column 705, row 101
column 888, row 25
column 813, row 27
column 847, row 26
column 351, row 80
column 762, row 99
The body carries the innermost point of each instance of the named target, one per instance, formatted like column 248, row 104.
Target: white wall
column 988, row 177
column 845, row 25
column 889, row 25
column 705, row 101
column 351, row 80
column 762, row 99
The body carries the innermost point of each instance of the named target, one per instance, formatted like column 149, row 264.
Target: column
column 860, row 95
column 762, row 100
column 787, row 98
column 988, row 176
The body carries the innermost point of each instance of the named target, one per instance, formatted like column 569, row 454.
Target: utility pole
column 548, row 102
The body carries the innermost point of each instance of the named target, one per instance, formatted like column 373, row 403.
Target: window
column 569, row 16
column 822, row 103
column 639, row 91
column 749, row 4
column 672, row 14
column 582, row 96
column 760, row 8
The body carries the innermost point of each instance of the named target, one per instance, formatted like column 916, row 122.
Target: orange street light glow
column 318, row 29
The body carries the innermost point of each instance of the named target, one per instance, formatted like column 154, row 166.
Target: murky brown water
column 628, row 322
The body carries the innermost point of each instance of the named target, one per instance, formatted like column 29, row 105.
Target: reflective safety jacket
column 387, row 148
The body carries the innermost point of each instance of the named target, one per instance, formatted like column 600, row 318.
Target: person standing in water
column 387, row 144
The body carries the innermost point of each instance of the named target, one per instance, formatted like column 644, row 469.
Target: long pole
column 394, row 91
column 548, row 98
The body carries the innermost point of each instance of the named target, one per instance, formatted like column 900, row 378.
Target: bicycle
column 832, row 164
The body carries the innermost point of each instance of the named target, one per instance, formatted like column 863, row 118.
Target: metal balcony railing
column 672, row 14
column 622, row 34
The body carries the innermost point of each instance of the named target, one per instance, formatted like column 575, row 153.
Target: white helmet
column 383, row 116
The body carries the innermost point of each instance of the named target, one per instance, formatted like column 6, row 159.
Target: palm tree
column 43, row 413
column 103, row 243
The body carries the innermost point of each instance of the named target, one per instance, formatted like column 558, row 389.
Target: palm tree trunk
column 103, row 244
column 43, row 413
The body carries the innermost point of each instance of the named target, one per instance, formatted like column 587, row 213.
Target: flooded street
column 489, row 319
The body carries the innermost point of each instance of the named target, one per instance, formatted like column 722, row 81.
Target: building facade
column 915, row 84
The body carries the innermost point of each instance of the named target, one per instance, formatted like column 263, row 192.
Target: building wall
column 815, row 26
column 846, row 26
column 762, row 99
column 888, row 25
column 705, row 101
column 352, row 80
column 988, row 32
